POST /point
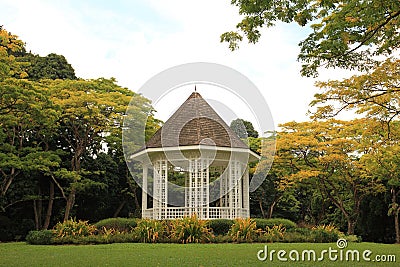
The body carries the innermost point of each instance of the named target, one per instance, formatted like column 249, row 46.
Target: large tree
column 26, row 116
column 328, row 154
column 382, row 162
column 91, row 110
column 346, row 34
column 375, row 95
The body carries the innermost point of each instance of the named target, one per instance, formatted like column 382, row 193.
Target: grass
column 139, row 254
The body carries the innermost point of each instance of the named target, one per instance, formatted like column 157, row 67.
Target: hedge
column 42, row 237
column 263, row 223
column 118, row 224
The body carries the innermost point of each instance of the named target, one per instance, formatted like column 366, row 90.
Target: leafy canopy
column 345, row 34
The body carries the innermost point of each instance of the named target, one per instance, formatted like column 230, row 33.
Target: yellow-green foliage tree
column 10, row 46
column 374, row 95
column 382, row 162
column 327, row 153
column 91, row 111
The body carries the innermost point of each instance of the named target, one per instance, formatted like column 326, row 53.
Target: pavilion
column 195, row 164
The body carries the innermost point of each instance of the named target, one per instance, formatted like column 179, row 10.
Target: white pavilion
column 195, row 164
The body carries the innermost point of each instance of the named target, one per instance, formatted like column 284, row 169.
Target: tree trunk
column 396, row 225
column 271, row 209
column 49, row 207
column 261, row 207
column 137, row 205
column 40, row 207
column 70, row 204
column 396, row 215
column 35, row 211
column 119, row 208
column 350, row 226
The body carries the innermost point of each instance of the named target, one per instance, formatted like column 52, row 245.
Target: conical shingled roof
column 195, row 123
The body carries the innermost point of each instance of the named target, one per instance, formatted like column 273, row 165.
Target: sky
column 133, row 40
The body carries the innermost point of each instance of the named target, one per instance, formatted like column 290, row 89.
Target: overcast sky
column 134, row 40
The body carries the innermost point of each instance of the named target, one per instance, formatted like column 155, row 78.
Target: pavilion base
column 204, row 213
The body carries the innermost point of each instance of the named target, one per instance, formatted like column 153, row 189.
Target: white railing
column 202, row 212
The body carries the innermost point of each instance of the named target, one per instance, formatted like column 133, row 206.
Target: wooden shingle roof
column 195, row 123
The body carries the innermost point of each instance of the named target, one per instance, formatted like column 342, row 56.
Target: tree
column 375, row 94
column 383, row 161
column 345, row 34
column 25, row 115
column 328, row 154
column 10, row 47
column 91, row 111
column 52, row 66
column 243, row 128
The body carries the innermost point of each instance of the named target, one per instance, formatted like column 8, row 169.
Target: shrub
column 74, row 228
column 244, row 230
column 148, row 230
column 351, row 238
column 296, row 237
column 325, row 233
column 275, row 233
column 263, row 223
column 301, row 230
column 118, row 224
column 190, row 230
column 220, row 226
column 43, row 237
column 95, row 239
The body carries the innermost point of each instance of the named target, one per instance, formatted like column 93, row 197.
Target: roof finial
column 195, row 88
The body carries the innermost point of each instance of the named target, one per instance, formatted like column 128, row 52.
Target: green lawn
column 133, row 254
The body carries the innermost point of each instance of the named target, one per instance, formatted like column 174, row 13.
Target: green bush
column 351, row 238
column 300, row 230
column 220, row 226
column 244, row 230
column 74, row 228
column 43, row 237
column 95, row 239
column 263, row 223
column 297, row 237
column 118, row 224
column 190, row 230
column 325, row 233
column 323, row 236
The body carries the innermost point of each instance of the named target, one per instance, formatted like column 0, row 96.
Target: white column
column 165, row 164
column 196, row 186
column 246, row 198
column 239, row 185
column 230, row 188
column 156, row 190
column 190, row 188
column 207, row 189
column 144, row 190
